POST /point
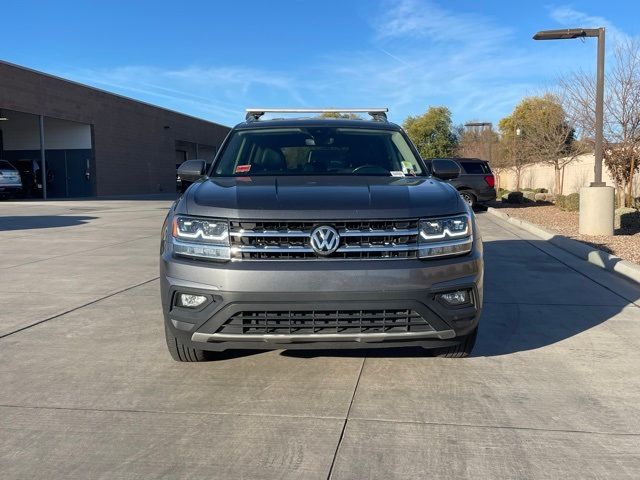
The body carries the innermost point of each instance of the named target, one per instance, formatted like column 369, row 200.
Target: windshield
column 317, row 151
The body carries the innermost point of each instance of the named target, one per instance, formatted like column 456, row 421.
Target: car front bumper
column 312, row 286
column 10, row 187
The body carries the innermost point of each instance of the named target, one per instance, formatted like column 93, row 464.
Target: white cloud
column 427, row 20
column 419, row 54
column 571, row 18
column 220, row 94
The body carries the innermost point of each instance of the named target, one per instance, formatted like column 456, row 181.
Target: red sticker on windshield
column 243, row 168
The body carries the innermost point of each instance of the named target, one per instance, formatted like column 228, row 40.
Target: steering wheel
column 370, row 169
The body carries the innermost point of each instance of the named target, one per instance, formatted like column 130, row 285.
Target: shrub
column 572, row 202
column 529, row 195
column 502, row 192
column 515, row 197
column 628, row 218
column 541, row 197
column 560, row 201
column 541, row 190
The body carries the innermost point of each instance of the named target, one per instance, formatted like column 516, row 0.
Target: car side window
column 475, row 168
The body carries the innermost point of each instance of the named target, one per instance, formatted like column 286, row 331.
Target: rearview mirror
column 191, row 170
column 444, row 169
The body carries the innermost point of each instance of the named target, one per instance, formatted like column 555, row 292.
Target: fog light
column 459, row 297
column 190, row 301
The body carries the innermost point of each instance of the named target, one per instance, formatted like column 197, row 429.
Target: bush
column 628, row 218
column 529, row 195
column 572, row 202
column 540, row 197
column 541, row 190
column 502, row 192
column 560, row 201
column 515, row 197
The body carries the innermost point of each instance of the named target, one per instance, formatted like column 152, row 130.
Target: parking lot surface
column 88, row 389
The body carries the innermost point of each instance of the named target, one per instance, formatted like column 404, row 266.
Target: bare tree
column 477, row 142
column 621, row 113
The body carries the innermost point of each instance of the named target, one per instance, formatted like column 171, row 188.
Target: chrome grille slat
column 378, row 233
column 385, row 248
column 269, row 233
column 290, row 240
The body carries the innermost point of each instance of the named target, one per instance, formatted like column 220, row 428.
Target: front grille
column 290, row 240
column 325, row 321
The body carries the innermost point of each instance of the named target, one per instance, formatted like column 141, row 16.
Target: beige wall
column 576, row 175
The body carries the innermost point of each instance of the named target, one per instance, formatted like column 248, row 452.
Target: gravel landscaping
column 625, row 243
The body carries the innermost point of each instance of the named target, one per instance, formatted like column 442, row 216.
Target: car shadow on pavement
column 531, row 300
column 29, row 222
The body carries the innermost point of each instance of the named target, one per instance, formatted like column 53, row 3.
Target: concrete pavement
column 89, row 391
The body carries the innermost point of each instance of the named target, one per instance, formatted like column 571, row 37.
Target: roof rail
column 377, row 114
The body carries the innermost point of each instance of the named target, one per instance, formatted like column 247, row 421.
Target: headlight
column 201, row 238
column 447, row 236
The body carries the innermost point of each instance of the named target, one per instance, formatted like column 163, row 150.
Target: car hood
column 321, row 197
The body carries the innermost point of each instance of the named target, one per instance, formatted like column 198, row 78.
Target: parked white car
column 10, row 182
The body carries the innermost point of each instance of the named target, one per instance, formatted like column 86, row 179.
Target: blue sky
column 213, row 59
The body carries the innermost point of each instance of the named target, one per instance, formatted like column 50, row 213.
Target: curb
column 612, row 263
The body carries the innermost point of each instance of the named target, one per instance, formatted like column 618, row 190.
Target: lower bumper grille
column 325, row 321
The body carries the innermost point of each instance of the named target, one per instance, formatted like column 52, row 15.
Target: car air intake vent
column 291, row 240
column 325, row 321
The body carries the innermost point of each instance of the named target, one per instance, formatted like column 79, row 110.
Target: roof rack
column 377, row 114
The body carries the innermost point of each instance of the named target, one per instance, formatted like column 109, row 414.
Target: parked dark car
column 476, row 182
column 31, row 175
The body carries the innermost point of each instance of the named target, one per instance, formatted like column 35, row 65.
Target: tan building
column 94, row 143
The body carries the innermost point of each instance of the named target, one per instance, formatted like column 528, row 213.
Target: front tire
column 460, row 350
column 468, row 197
column 181, row 352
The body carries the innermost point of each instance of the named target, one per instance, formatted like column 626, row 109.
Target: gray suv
column 319, row 233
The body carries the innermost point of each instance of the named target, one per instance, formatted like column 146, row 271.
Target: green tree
column 538, row 130
column 351, row 116
column 432, row 133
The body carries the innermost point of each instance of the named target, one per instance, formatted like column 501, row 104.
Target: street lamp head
column 566, row 33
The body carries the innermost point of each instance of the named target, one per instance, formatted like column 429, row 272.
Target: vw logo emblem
column 325, row 240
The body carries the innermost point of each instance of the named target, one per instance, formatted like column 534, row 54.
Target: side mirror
column 191, row 170
column 444, row 169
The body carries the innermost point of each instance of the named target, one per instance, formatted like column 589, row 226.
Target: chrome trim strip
column 378, row 233
column 269, row 249
column 385, row 248
column 269, row 233
column 306, row 337
column 342, row 232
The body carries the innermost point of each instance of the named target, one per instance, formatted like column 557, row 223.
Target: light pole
column 596, row 202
